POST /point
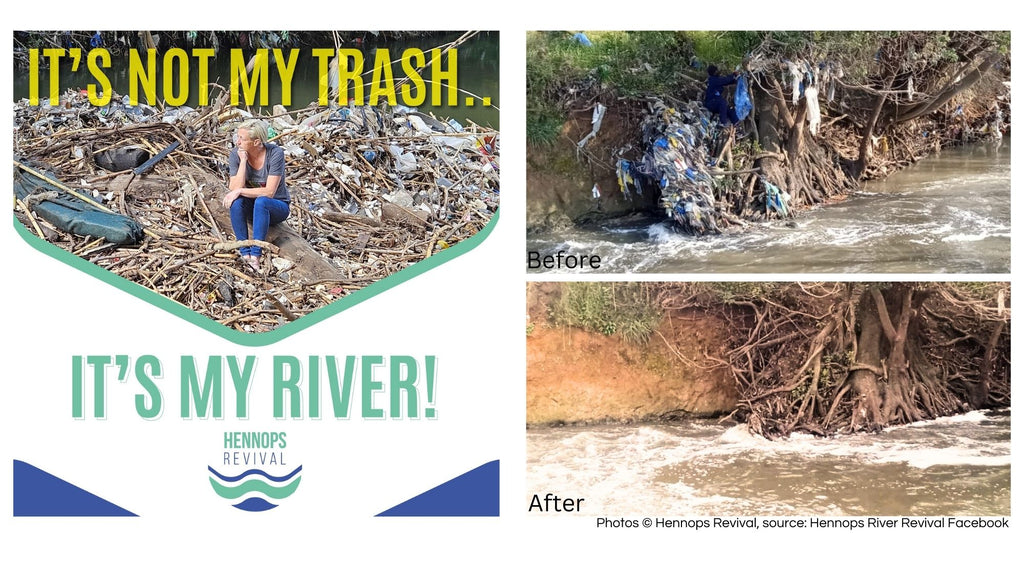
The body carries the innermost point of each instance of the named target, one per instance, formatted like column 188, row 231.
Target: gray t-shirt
column 273, row 165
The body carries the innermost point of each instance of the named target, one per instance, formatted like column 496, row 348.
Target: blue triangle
column 474, row 493
column 38, row 493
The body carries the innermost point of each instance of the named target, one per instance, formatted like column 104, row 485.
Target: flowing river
column 948, row 213
column 953, row 466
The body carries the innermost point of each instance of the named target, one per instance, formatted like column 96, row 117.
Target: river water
column 948, row 213
column 953, row 466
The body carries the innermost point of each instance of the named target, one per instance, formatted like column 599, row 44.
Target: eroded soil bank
column 561, row 176
column 579, row 377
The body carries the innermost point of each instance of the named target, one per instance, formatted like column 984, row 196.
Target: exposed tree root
column 850, row 357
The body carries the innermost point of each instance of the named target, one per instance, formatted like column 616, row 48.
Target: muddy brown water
column 947, row 214
column 953, row 466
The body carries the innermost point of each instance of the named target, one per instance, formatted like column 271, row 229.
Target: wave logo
column 255, row 487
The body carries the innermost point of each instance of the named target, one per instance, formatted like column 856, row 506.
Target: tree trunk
column 867, row 399
column 952, row 89
column 979, row 393
column 900, row 391
column 860, row 357
column 795, row 145
column 866, row 142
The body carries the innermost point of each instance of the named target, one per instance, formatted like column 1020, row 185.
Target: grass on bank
column 630, row 62
column 626, row 309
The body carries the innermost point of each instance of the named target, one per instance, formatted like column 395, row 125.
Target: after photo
column 829, row 399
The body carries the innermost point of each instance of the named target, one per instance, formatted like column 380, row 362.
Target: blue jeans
column 263, row 212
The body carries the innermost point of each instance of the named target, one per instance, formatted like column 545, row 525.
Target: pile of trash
column 374, row 190
column 677, row 160
column 403, row 146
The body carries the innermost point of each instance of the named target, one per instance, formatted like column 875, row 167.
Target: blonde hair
column 257, row 130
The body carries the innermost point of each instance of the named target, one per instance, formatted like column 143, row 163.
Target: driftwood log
column 310, row 265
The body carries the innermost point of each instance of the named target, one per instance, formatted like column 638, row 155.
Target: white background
column 468, row 312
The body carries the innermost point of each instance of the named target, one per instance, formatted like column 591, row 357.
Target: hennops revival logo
column 254, row 472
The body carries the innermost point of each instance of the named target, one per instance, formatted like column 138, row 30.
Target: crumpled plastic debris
column 582, row 39
column 357, row 153
column 595, row 120
column 813, row 110
column 775, row 199
column 741, row 100
column 676, row 161
column 405, row 162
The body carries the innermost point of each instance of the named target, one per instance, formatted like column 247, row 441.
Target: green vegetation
column 626, row 309
column 632, row 63
column 628, row 63
column 543, row 126
column 560, row 69
column 723, row 48
column 118, row 41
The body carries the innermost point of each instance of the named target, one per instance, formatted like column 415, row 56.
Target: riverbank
column 575, row 377
column 824, row 358
column 578, row 376
column 863, row 106
column 946, row 213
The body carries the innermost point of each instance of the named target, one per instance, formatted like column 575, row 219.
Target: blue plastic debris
column 774, row 199
column 626, row 176
column 742, row 99
column 582, row 39
column 678, row 142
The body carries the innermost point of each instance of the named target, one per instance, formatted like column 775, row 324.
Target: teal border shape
column 264, row 338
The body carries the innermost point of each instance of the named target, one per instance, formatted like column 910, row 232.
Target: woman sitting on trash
column 257, row 190
column 715, row 101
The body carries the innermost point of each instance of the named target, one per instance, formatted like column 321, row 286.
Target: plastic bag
column 813, row 110
column 742, row 99
column 797, row 76
column 595, row 120
column 405, row 162
column 582, row 39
